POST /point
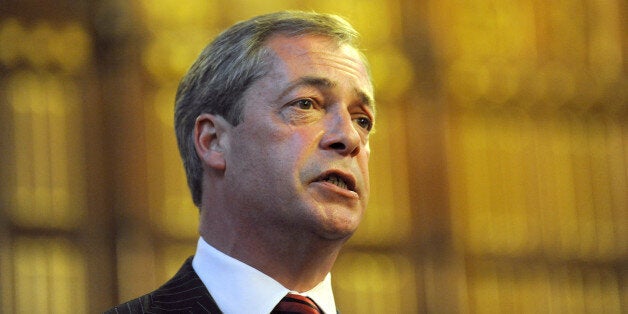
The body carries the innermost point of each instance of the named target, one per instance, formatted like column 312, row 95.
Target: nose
column 341, row 135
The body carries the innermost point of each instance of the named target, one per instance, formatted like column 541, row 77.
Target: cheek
column 283, row 151
column 305, row 143
column 364, row 161
column 277, row 149
column 364, row 167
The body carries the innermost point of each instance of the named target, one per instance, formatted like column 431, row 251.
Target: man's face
column 298, row 161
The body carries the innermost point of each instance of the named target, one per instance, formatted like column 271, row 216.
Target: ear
column 211, row 139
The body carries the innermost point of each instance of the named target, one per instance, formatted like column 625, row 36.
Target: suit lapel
column 185, row 292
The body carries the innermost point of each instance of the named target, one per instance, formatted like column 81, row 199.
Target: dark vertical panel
column 424, row 104
column 119, row 42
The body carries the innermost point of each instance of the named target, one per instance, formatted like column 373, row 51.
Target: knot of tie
column 296, row 304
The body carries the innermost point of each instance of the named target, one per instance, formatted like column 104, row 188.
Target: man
column 273, row 124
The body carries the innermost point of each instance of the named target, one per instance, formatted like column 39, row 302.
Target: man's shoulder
column 184, row 293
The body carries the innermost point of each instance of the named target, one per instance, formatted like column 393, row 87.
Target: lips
column 339, row 179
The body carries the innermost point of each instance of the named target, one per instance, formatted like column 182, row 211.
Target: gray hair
column 229, row 65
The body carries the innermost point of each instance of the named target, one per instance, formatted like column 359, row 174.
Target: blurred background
column 499, row 165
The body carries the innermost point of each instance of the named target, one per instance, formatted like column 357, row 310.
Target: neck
column 297, row 259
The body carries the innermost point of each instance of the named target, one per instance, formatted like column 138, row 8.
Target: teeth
column 335, row 180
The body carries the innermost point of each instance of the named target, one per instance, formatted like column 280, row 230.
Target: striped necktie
column 296, row 304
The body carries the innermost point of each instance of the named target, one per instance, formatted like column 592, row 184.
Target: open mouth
column 339, row 180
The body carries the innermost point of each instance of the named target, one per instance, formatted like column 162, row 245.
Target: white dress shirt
column 239, row 288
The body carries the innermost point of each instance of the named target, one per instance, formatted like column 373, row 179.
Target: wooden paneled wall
column 499, row 165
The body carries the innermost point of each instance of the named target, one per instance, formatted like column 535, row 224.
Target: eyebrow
column 325, row 83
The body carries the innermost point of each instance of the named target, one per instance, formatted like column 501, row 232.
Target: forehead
column 313, row 55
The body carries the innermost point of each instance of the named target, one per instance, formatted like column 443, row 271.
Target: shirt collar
column 239, row 288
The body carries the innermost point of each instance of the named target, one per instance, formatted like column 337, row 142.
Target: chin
column 335, row 222
column 341, row 229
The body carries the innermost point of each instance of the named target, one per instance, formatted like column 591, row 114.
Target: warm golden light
column 498, row 165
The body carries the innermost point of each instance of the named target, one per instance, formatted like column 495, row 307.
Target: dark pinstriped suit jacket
column 184, row 293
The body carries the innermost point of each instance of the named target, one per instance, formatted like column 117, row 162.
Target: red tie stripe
column 296, row 304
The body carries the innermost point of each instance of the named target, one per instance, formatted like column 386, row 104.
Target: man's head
column 218, row 80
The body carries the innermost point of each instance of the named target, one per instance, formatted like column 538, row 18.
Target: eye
column 304, row 104
column 364, row 123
